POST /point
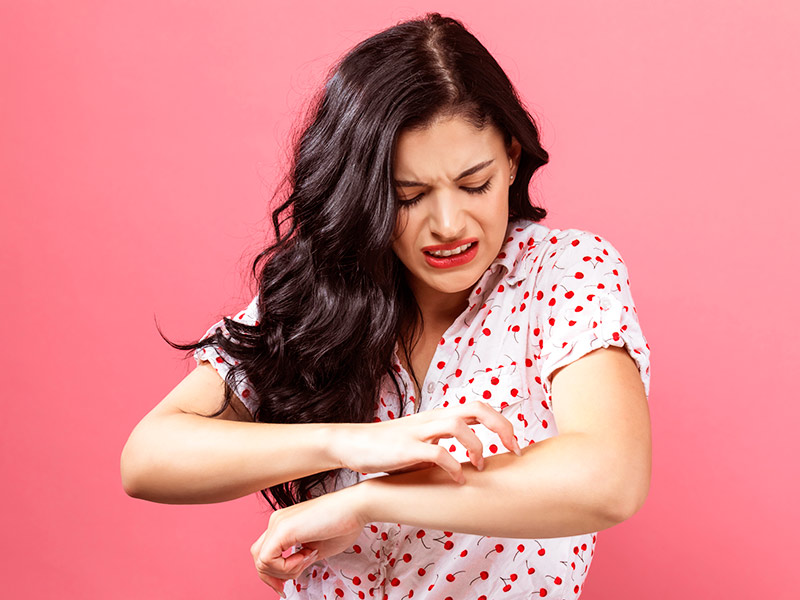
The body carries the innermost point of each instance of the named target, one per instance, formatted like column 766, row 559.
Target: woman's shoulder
column 534, row 233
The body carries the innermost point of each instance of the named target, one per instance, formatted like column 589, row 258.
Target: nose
column 447, row 220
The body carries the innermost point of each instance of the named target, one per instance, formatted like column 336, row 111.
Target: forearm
column 191, row 459
column 557, row 488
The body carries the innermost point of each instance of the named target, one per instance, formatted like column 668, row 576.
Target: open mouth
column 453, row 252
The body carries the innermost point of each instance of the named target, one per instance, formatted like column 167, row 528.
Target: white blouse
column 548, row 298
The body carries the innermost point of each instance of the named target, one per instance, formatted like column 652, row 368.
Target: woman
column 443, row 397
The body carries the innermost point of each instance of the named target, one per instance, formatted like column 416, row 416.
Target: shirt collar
column 519, row 238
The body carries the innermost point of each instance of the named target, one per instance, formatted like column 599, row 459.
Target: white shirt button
column 431, row 387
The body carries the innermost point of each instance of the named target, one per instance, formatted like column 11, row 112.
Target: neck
column 439, row 309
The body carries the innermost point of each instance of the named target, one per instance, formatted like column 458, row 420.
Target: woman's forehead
column 446, row 146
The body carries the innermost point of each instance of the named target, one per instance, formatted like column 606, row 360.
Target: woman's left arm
column 594, row 474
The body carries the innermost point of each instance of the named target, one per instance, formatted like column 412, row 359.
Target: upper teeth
column 458, row 250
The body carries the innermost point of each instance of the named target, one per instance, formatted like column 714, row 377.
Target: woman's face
column 452, row 182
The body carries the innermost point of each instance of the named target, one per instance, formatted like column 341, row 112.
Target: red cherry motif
column 469, row 366
column 497, row 548
column 340, row 592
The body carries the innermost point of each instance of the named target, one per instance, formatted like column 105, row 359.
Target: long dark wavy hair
column 333, row 301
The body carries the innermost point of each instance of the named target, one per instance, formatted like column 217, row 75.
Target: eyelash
column 478, row 190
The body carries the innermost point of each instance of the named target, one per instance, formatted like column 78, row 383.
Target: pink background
column 139, row 146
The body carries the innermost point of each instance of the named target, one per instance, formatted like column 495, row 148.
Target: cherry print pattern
column 549, row 297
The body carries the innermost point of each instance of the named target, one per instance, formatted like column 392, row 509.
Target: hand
column 411, row 442
column 324, row 526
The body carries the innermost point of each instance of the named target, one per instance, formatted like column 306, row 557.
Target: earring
column 512, row 177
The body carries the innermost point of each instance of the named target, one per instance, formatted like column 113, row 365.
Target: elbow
column 131, row 474
column 630, row 500
column 130, row 483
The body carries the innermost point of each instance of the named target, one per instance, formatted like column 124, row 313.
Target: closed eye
column 479, row 190
column 470, row 190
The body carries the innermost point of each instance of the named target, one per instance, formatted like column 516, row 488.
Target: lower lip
column 446, row 262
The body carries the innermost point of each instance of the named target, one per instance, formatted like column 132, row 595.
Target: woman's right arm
column 177, row 456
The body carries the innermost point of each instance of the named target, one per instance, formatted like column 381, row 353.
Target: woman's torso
column 485, row 354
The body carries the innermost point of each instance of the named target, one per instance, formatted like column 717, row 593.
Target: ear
column 514, row 151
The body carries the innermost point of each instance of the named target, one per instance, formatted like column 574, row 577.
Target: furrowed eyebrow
column 467, row 173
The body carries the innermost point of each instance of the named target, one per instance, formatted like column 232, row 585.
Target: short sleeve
column 584, row 302
column 222, row 362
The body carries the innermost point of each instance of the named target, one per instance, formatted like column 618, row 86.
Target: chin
column 457, row 283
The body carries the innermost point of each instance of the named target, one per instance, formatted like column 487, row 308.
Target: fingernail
column 517, row 450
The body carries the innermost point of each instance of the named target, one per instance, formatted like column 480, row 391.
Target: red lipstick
column 455, row 260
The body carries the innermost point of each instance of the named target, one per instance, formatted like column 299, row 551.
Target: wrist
column 361, row 500
column 334, row 438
